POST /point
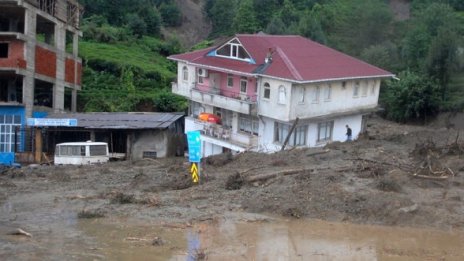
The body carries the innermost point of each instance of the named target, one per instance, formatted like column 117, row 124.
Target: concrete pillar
column 75, row 44
column 73, row 100
column 30, row 23
column 58, row 89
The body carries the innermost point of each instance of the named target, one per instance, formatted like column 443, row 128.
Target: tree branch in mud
column 266, row 176
column 20, row 232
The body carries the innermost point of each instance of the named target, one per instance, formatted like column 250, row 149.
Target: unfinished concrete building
column 40, row 70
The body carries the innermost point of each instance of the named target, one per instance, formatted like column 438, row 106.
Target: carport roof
column 121, row 120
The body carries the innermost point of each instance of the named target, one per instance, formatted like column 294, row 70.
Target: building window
column 3, row 50
column 316, row 93
column 243, row 85
column 328, row 93
column 356, row 89
column 8, row 123
column 97, row 150
column 373, row 88
column 200, row 79
column 325, row 130
column 282, row 95
column 185, row 73
column 301, row 94
column 248, row 124
column 230, row 80
column 365, row 88
column 298, row 137
column 267, row 91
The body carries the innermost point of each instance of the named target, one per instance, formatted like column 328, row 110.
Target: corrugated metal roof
column 121, row 120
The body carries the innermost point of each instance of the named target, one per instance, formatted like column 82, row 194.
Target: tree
column 288, row 14
column 222, row 13
column 276, row 26
column 352, row 26
column 170, row 14
column 441, row 57
column 431, row 46
column 382, row 55
column 168, row 102
column 264, row 10
column 413, row 97
column 245, row 19
column 310, row 25
column 137, row 25
column 153, row 20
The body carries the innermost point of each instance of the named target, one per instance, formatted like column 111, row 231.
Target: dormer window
column 233, row 49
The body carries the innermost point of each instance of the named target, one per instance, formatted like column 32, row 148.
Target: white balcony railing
column 214, row 97
column 222, row 134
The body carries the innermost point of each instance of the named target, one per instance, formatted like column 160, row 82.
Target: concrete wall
column 267, row 130
column 164, row 142
column 271, row 107
column 315, row 103
column 15, row 55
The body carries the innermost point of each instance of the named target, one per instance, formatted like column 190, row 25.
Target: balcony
column 220, row 98
column 221, row 135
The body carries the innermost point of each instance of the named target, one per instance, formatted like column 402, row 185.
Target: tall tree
column 245, row 19
column 222, row 13
column 310, row 25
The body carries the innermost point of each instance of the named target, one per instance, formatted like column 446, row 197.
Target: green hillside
column 128, row 55
column 124, row 50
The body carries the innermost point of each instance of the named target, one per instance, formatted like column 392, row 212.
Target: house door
column 215, row 83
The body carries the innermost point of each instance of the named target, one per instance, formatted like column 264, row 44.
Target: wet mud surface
column 406, row 179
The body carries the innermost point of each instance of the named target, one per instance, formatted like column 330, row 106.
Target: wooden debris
column 20, row 232
column 266, row 176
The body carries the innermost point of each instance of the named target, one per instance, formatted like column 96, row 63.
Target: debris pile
column 428, row 156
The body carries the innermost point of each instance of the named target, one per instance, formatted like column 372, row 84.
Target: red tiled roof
column 294, row 58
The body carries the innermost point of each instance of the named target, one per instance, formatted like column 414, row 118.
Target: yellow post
column 38, row 146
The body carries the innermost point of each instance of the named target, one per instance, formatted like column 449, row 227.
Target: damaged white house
column 247, row 93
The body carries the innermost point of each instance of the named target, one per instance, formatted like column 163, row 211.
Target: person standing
column 348, row 133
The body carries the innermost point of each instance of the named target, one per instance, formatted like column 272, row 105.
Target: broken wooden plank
column 20, row 232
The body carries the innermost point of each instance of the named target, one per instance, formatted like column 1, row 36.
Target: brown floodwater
column 59, row 235
column 268, row 240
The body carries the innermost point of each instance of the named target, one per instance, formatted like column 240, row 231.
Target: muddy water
column 272, row 240
column 59, row 235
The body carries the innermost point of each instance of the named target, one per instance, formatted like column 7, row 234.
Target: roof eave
column 329, row 79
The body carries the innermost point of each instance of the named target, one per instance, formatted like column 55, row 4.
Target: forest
column 125, row 49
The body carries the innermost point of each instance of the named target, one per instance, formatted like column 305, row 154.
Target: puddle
column 282, row 240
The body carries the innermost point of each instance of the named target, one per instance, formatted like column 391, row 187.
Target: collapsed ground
column 395, row 175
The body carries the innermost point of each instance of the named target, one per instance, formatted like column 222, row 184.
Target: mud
column 369, row 182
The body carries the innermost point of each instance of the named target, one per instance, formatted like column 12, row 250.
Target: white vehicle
column 81, row 153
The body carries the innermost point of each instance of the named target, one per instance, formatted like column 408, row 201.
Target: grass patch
column 143, row 55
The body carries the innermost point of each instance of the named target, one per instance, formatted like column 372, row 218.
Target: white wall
column 339, row 129
column 341, row 98
column 185, row 86
column 209, row 149
column 266, row 133
column 270, row 107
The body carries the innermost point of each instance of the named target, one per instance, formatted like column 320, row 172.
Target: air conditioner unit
column 202, row 72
